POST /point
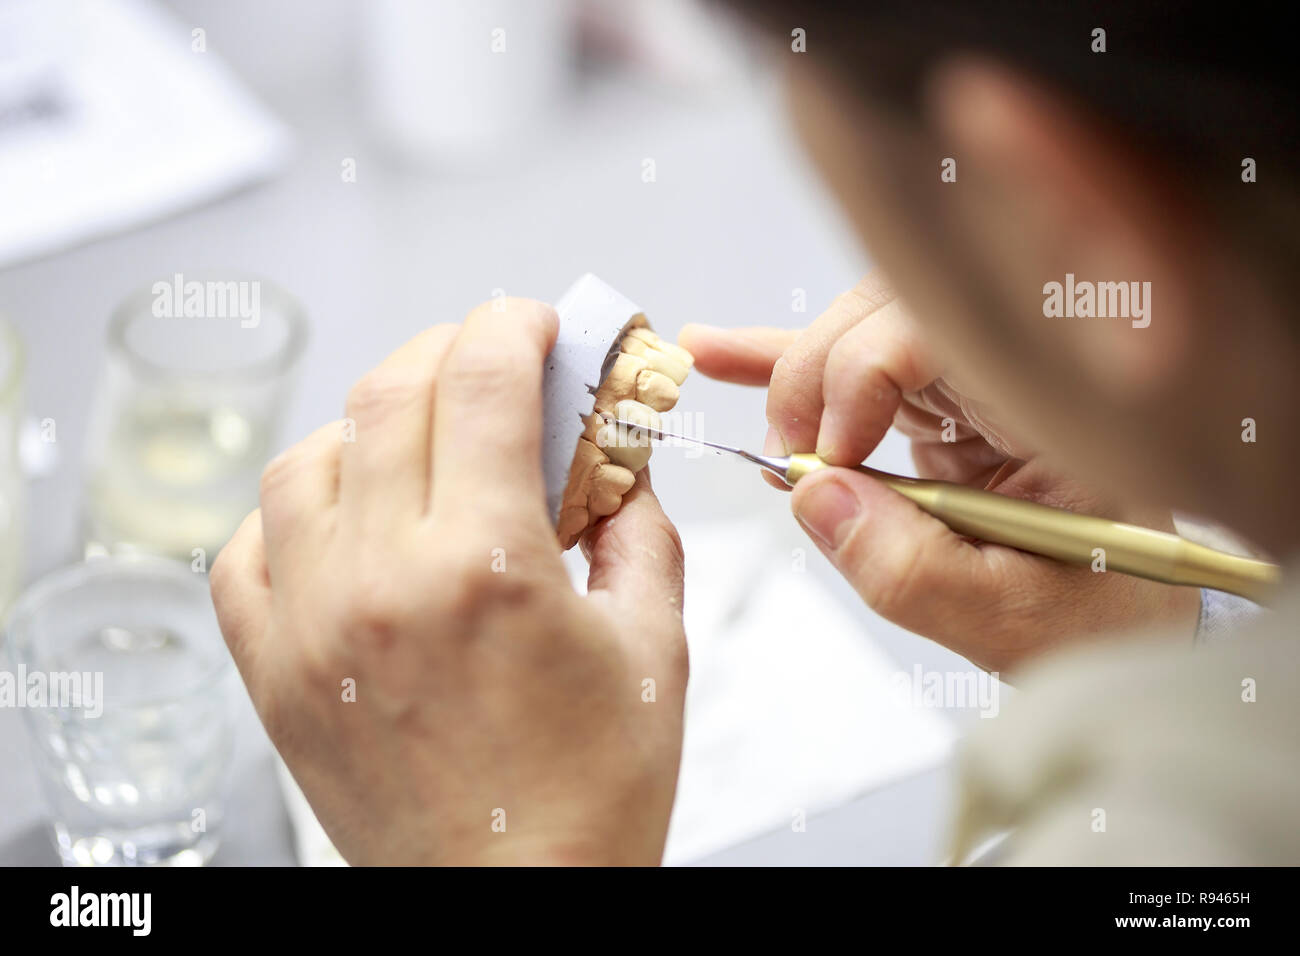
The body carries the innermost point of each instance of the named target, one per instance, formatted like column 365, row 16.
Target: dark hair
column 1203, row 82
column 1199, row 86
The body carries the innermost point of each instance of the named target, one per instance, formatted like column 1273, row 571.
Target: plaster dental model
column 607, row 364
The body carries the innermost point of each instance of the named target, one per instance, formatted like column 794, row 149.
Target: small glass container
column 197, row 376
column 127, row 689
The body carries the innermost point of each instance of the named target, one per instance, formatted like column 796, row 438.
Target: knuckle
column 869, row 295
column 319, row 665
column 442, row 332
column 791, row 366
column 478, row 367
column 797, row 381
column 472, row 590
column 785, row 391
column 381, row 389
column 375, row 614
column 279, row 472
column 526, row 315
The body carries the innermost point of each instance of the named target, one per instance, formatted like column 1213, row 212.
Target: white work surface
column 733, row 224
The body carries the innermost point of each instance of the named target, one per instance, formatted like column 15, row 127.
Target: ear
column 1064, row 205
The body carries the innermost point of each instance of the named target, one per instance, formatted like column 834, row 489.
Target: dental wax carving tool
column 1040, row 529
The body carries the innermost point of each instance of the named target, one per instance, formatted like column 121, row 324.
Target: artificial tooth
column 632, row 452
column 657, row 355
column 670, row 349
column 656, row 390
column 621, row 380
column 665, row 364
column 585, row 458
column 635, row 412
column 614, row 477
column 603, row 501
column 570, row 525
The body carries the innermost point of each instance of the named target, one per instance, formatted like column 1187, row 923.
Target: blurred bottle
column 193, row 388
column 453, row 81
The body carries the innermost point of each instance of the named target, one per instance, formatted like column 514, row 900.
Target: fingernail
column 826, row 436
column 774, row 444
column 827, row 511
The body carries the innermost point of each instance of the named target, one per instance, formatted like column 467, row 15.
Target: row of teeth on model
column 642, row 382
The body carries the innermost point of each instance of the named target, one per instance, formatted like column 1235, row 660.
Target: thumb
column 740, row 356
column 906, row 565
column 637, row 567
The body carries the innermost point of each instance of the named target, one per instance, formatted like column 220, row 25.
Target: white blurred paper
column 790, row 705
column 110, row 118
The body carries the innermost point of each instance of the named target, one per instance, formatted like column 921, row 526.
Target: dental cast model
column 641, row 383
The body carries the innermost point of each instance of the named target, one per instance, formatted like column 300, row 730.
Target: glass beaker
column 127, row 689
column 196, row 379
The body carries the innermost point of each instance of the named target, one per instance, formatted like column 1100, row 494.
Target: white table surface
column 734, row 223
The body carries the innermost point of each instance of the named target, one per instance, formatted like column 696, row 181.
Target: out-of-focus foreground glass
column 11, row 475
column 197, row 376
column 128, row 691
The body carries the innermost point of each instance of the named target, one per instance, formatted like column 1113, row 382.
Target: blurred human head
column 986, row 150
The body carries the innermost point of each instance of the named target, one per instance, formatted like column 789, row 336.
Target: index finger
column 740, row 356
column 487, row 430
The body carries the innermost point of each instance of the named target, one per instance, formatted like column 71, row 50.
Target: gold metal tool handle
column 1072, row 538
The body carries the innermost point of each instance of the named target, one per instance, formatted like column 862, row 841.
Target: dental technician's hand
column 400, row 614
column 836, row 388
